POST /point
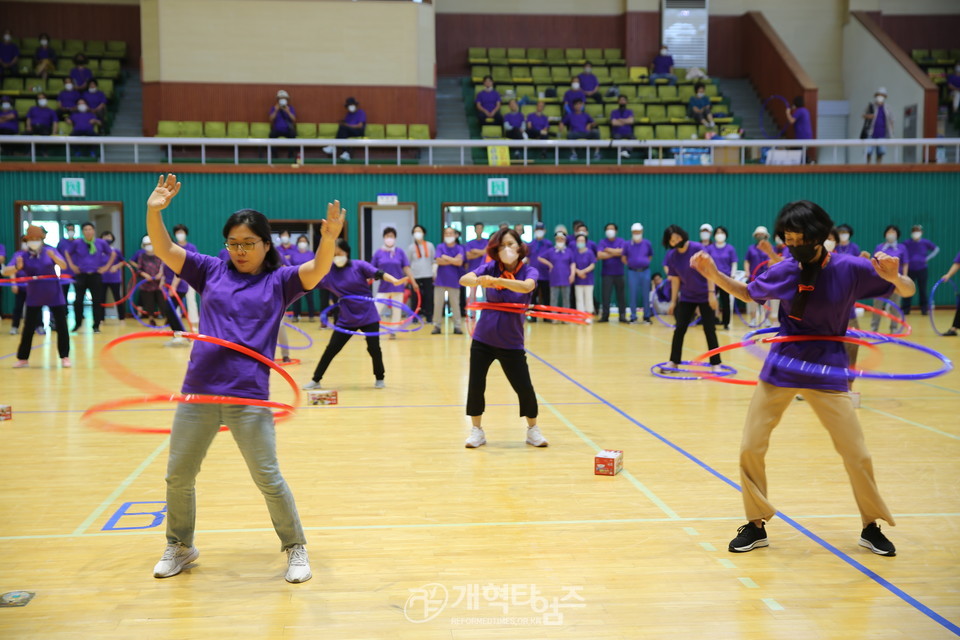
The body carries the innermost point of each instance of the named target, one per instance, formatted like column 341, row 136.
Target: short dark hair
column 87, row 224
column 260, row 226
column 107, row 233
column 835, row 234
column 699, row 86
column 720, row 228
column 344, row 246
column 69, row 225
column 493, row 245
column 419, row 226
column 798, row 102
column 283, row 231
column 485, row 78
column 674, row 229
column 578, row 101
column 303, row 237
column 389, row 230
column 611, row 224
column 803, row 216
column 845, row 227
column 892, row 227
column 181, row 227
column 479, row 223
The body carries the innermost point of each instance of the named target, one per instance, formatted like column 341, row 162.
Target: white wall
column 537, row 7
column 907, row 7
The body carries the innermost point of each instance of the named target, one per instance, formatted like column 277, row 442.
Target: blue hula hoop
column 324, row 317
column 725, row 370
column 933, row 292
column 301, row 332
column 133, row 309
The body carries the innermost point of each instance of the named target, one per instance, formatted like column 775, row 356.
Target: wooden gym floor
column 413, row 536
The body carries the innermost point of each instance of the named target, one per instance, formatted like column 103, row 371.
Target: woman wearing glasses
column 241, row 301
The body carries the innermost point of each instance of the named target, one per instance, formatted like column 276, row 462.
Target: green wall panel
column 867, row 201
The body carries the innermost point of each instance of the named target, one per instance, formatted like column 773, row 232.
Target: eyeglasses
column 234, row 247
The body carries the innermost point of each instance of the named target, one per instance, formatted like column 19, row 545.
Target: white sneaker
column 624, row 153
column 21, row 364
column 329, row 149
column 298, row 566
column 65, row 363
column 379, row 384
column 855, row 398
column 312, row 385
column 476, row 438
column 175, row 558
column 345, row 155
column 535, row 438
column 14, row 331
column 177, row 341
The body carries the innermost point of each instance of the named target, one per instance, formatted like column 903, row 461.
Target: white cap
column 560, row 227
column 282, row 94
column 882, row 91
column 636, row 227
column 146, row 240
column 761, row 231
column 707, row 226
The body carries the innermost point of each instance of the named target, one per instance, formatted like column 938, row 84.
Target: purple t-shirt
column 391, row 261
column 85, row 261
column 45, row 53
column 802, row 128
column 621, row 114
column 68, row 99
column 572, row 243
column 81, row 75
column 351, row 280
column 842, row 282
column 501, row 329
column 723, row 256
column 242, row 308
column 662, row 64
column 11, row 126
column 488, row 99
column 168, row 272
column 850, row 249
column 561, row 261
column 572, row 95
column 94, row 98
column 111, row 276
column 639, row 254
column 42, row 292
column 582, row 260
column 612, row 266
column 8, row 51
column 83, row 122
column 448, row 275
column 224, row 255
column 880, row 124
column 755, row 256
column 918, row 250
column 515, row 119
column 693, row 286
column 953, row 81
column 538, row 121
column 282, row 122
column 41, row 116
column 536, row 249
column 63, row 248
column 476, row 243
column 354, row 118
column 285, row 251
column 588, row 81
column 895, row 251
column 298, row 258
column 577, row 121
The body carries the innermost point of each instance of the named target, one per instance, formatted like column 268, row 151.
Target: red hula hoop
column 130, row 283
column 907, row 329
column 416, row 312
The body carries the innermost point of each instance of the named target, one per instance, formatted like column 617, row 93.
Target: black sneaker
column 457, row 332
column 872, row 538
column 436, row 331
column 749, row 537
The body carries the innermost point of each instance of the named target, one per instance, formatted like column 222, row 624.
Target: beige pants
column 394, row 310
column 454, row 294
column 837, row 414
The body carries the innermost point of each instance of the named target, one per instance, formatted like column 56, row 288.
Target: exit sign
column 498, row 187
column 73, row 187
column 387, row 199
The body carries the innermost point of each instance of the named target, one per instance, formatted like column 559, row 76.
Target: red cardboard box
column 6, row 412
column 322, row 396
column 608, row 462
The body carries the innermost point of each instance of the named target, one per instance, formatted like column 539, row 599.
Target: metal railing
column 911, row 151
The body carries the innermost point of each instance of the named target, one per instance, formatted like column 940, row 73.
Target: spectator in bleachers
column 80, row 74
column 95, row 99
column 9, row 124
column 538, row 124
column 663, row 67
column 41, row 119
column 573, row 94
column 45, row 58
column 953, row 87
column 877, row 125
column 488, row 103
column 283, row 118
column 513, row 123
column 589, row 83
column 799, row 117
column 578, row 126
column 9, row 56
column 699, row 107
column 621, row 124
column 353, row 125
column 68, row 99
column 85, row 122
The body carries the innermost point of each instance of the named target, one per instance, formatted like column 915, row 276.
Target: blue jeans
column 672, row 79
column 194, row 427
column 638, row 284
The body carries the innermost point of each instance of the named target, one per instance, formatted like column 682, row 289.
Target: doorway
column 462, row 216
column 375, row 218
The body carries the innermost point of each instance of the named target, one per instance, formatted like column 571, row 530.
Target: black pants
column 956, row 317
column 153, row 300
column 920, row 277
column 496, row 118
column 683, row 316
column 514, row 134
column 615, row 283
column 514, row 365
column 33, row 319
column 337, row 342
column 426, row 298
column 311, row 307
column 723, row 298
column 117, row 295
column 343, row 131
column 541, row 295
column 83, row 282
column 19, row 302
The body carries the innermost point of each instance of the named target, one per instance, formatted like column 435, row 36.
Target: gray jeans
column 194, row 427
column 560, row 296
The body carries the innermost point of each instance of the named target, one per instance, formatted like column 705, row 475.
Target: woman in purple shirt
column 449, row 266
column 301, row 255
column 844, row 244
column 725, row 256
column 41, row 119
column 499, row 334
column 392, row 260
column 113, row 276
column 243, row 302
column 585, row 263
column 41, row 260
column 639, row 254
column 560, row 261
column 920, row 252
column 351, row 278
column 689, row 291
column 817, row 291
column 81, row 74
column 45, row 58
column 487, row 104
column 891, row 246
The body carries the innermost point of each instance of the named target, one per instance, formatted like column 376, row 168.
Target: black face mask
column 804, row 253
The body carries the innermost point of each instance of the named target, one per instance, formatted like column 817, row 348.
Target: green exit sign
column 498, row 187
column 73, row 187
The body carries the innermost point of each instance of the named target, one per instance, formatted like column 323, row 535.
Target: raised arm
column 172, row 254
column 888, row 268
column 312, row 272
column 704, row 264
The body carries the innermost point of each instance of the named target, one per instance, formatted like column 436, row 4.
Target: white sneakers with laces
column 476, row 438
column 535, row 438
column 298, row 565
column 175, row 558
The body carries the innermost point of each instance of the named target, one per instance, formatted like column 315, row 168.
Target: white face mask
column 538, row 234
column 285, row 241
column 181, row 236
column 720, row 238
column 71, row 235
column 6, row 106
column 449, row 240
column 352, row 108
column 705, row 236
column 92, row 89
column 42, row 102
column 916, row 235
column 68, row 87
column 575, row 86
column 508, row 255
column 389, row 242
column 584, row 232
column 891, row 238
column 844, row 237
column 637, row 237
column 283, row 102
column 880, row 99
column 44, row 42
column 663, row 52
column 700, row 94
column 561, row 244
column 34, row 245
column 486, row 88
column 339, row 260
column 148, row 248
column 611, row 233
column 418, row 235
column 303, row 246
column 82, row 108
column 829, row 245
column 6, row 37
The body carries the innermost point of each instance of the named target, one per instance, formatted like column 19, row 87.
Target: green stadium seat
column 94, row 65
column 677, row 113
column 555, row 56
column 501, row 74
column 687, row 131
column 628, row 90
column 553, row 111
column 71, row 48
column 498, row 55
column 919, row 55
column 238, row 129
column 491, row 131
column 479, row 71
column 116, row 49
column 95, row 48
column 53, row 104
column 665, row 132
column 14, row 85
column 604, row 132
column 307, row 130
column 595, row 56
column 574, row 55
column 191, row 129
column 259, row 129
column 214, row 130
column 667, row 93
column 110, row 69
column 560, row 75
column 517, row 54
column 937, row 74
column 595, row 111
column 168, row 129
column 603, row 74
column 477, row 55
column 521, row 74
column 712, row 90
column 657, row 113
column 396, row 132
column 526, row 109
column 685, row 92
column 34, row 85
column 540, row 74
column 64, row 65
column 22, row 105
column 65, row 127
column 639, row 74
column 328, row 130
column 613, row 56
column 619, row 76
column 647, row 93
column 535, row 55
column 106, row 85
column 57, row 45
column 28, row 46
column 942, row 56
column 639, row 111
column 374, row 132
column 419, row 131
column 543, row 88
